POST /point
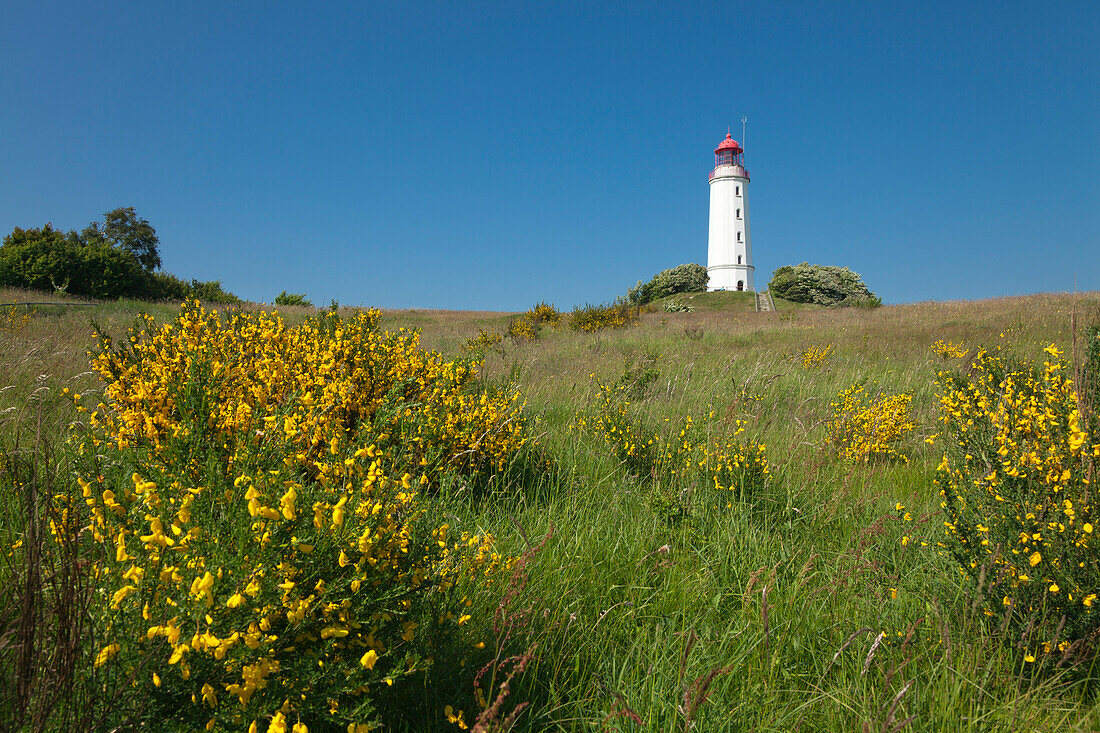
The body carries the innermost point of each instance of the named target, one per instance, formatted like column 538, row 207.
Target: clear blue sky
column 489, row 155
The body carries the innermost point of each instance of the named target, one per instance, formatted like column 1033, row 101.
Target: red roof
column 728, row 144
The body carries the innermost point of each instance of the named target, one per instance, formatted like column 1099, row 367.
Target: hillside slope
column 816, row 598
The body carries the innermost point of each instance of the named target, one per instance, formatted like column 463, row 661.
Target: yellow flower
column 105, row 654
column 369, row 659
column 1035, row 559
column 200, row 588
column 456, row 718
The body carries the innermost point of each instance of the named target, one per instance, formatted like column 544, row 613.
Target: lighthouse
column 729, row 253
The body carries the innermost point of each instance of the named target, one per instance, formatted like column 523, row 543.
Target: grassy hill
column 728, row 301
column 655, row 602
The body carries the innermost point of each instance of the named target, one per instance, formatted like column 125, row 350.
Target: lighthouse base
column 730, row 277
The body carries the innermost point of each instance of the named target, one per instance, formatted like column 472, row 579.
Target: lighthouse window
column 739, row 259
column 738, row 236
column 737, row 190
column 739, row 213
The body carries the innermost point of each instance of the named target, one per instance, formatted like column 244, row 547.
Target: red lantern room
column 728, row 152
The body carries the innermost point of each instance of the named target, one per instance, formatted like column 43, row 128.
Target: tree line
column 116, row 258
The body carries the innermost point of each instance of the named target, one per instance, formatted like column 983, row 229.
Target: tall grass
column 799, row 608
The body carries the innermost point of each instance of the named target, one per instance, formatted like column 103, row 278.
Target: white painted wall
column 729, row 216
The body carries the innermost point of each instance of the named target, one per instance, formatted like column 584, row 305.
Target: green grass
column 728, row 302
column 629, row 607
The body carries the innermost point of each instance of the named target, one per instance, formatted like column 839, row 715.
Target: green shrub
column 166, row 286
column 690, row 278
column 639, row 373
column 211, row 291
column 38, row 259
column 285, row 298
column 591, row 318
column 822, row 285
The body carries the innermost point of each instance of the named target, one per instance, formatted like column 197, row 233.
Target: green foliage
column 211, row 291
column 1090, row 379
column 591, row 318
column 639, row 373
column 675, row 306
column 47, row 259
column 39, row 259
column 821, row 285
column 691, row 278
column 660, row 597
column 116, row 259
column 695, row 455
column 166, row 286
column 106, row 272
column 285, row 298
column 124, row 230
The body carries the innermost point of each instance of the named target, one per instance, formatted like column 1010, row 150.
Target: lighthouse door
column 740, row 285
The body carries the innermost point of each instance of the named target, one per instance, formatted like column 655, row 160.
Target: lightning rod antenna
column 744, row 120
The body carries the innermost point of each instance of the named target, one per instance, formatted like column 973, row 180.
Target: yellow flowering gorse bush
column 543, row 312
column 1016, row 485
column 593, row 318
column 949, row 350
column 14, row 319
column 862, row 427
column 484, row 341
column 522, row 329
column 815, row 357
column 252, row 499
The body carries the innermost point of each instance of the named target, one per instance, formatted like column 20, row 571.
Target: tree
column 691, row 278
column 821, row 284
column 115, row 259
column 123, row 229
column 49, row 259
column 285, row 298
column 39, row 259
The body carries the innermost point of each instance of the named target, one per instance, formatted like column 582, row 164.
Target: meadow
column 675, row 524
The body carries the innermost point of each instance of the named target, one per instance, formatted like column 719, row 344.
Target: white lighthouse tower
column 729, row 254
